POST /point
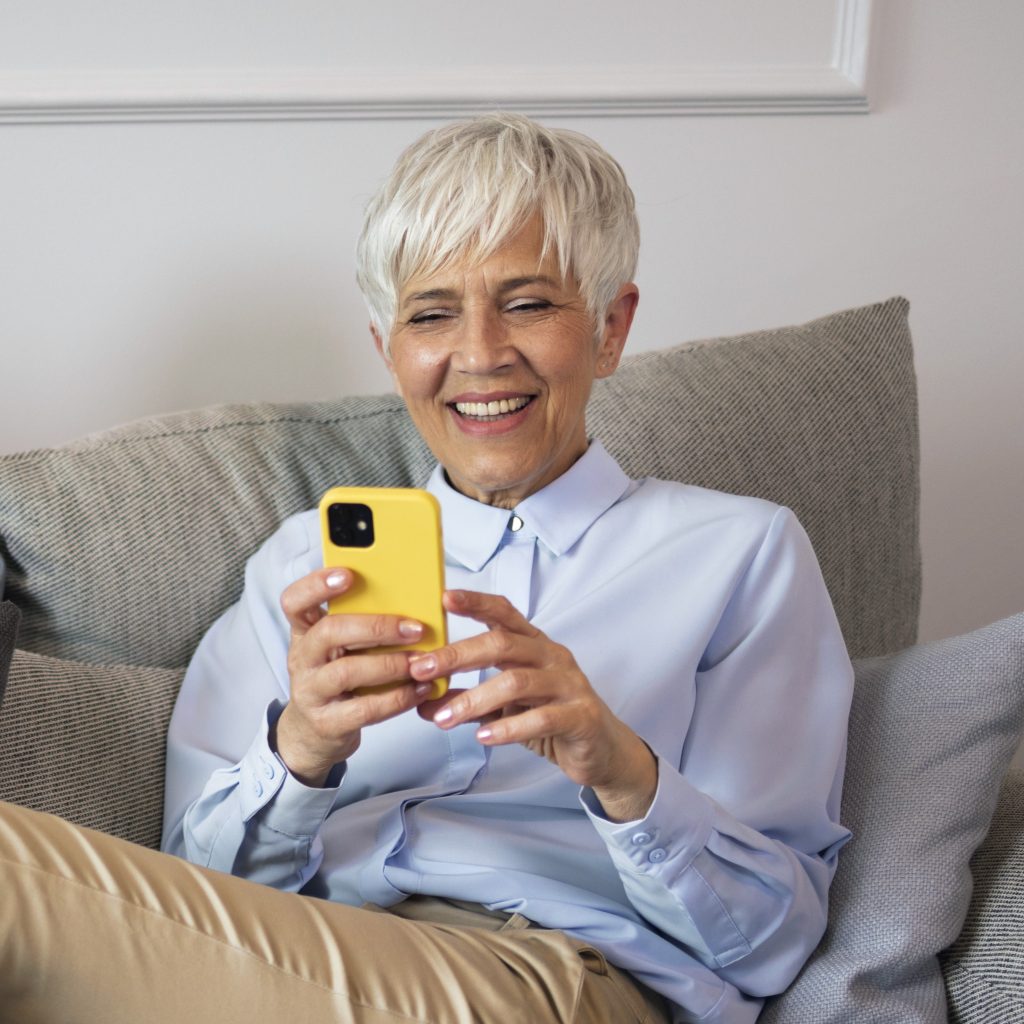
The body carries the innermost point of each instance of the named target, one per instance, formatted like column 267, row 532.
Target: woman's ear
column 382, row 351
column 617, row 322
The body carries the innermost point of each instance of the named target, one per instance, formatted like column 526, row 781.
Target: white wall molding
column 837, row 85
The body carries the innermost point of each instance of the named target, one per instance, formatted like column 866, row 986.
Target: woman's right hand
column 329, row 656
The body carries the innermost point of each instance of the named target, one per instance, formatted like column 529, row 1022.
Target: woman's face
column 495, row 362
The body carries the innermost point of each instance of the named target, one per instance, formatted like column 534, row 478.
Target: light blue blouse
column 702, row 620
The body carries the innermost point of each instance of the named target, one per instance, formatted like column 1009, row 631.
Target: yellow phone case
column 401, row 572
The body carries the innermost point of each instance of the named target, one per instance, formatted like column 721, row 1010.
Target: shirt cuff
column 674, row 830
column 267, row 787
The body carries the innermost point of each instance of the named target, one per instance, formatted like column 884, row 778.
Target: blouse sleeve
column 735, row 855
column 230, row 803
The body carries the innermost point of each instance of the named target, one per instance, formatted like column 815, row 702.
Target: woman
column 625, row 808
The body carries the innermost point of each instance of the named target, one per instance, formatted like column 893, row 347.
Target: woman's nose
column 483, row 344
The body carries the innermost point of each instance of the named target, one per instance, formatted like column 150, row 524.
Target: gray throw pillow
column 86, row 742
column 9, row 617
column 932, row 732
column 984, row 968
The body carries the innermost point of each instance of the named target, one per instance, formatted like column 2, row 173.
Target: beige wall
column 152, row 266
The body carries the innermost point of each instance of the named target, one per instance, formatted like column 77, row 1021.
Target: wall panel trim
column 837, row 86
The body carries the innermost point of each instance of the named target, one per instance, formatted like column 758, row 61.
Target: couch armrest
column 984, row 968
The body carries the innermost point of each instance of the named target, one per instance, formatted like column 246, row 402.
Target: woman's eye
column 528, row 305
column 431, row 316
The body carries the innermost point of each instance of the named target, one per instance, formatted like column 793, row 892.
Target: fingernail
column 484, row 733
column 407, row 627
column 444, row 715
column 422, row 689
column 425, row 664
column 335, row 580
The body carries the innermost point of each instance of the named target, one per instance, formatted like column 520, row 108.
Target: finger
column 352, row 713
column 372, row 672
column 382, row 704
column 302, row 601
column 429, row 708
column 490, row 609
column 497, row 647
column 336, row 635
column 506, row 693
column 531, row 725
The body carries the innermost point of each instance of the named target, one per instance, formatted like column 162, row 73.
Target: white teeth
column 500, row 407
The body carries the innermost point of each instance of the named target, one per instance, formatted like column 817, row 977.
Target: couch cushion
column 984, row 968
column 932, row 731
column 9, row 618
column 125, row 546
column 87, row 742
column 820, row 417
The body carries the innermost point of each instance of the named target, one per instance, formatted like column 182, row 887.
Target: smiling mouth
column 486, row 412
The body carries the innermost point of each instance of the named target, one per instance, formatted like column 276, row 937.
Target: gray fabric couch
column 120, row 550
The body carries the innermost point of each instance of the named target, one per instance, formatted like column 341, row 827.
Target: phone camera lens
column 350, row 525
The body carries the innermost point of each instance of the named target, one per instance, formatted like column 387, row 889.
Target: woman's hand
column 329, row 656
column 541, row 699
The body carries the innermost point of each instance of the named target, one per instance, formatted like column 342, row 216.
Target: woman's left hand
column 541, row 699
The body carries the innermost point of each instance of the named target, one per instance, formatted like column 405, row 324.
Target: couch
column 121, row 548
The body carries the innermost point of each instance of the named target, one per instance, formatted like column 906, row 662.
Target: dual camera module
column 350, row 525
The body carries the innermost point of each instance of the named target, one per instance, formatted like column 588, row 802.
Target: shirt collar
column 558, row 514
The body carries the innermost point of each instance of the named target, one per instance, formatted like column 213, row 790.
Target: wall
column 152, row 266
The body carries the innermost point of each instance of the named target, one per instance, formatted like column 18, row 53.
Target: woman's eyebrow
column 430, row 295
column 522, row 282
column 448, row 294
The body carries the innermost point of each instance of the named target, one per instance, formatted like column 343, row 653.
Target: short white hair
column 461, row 191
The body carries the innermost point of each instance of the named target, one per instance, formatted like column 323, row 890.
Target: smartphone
column 390, row 537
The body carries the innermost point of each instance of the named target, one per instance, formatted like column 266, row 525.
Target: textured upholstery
column 984, row 969
column 932, row 731
column 87, row 742
column 822, row 418
column 125, row 546
column 9, row 618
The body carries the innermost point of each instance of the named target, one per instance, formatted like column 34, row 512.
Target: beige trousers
column 94, row 930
